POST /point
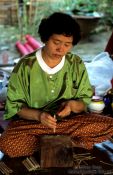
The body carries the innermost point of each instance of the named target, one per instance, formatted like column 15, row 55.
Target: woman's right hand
column 47, row 120
column 37, row 115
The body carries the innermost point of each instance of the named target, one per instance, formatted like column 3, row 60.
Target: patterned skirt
column 22, row 137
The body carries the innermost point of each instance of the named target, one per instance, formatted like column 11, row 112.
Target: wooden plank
column 56, row 151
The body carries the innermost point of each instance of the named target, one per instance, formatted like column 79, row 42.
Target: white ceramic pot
column 97, row 105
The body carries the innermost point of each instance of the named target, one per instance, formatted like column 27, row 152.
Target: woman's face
column 58, row 45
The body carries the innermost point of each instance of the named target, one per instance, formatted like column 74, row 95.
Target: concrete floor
column 91, row 46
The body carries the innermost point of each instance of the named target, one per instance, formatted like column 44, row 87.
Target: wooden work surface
column 84, row 162
column 90, row 163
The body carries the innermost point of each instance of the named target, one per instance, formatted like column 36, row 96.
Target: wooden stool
column 56, row 151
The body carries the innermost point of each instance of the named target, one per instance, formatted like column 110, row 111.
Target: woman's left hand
column 69, row 106
column 64, row 110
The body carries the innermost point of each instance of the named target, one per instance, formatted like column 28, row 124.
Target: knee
column 16, row 146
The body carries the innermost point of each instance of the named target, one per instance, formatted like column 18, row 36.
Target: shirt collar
column 45, row 67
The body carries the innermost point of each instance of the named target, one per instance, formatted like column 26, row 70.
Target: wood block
column 56, row 151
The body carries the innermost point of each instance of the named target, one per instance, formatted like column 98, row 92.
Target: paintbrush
column 54, row 130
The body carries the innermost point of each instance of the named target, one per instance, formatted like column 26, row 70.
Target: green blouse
column 30, row 86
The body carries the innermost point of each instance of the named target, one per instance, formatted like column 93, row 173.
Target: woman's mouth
column 57, row 56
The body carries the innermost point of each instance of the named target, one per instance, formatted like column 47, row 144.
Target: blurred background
column 21, row 17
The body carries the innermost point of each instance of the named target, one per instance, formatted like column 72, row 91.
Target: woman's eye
column 67, row 45
column 56, row 42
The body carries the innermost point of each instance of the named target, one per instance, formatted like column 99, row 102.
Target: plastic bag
column 100, row 72
column 4, row 76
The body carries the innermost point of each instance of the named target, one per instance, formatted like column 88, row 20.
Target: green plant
column 82, row 7
column 31, row 13
column 106, row 7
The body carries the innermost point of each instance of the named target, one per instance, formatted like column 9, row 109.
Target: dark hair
column 59, row 23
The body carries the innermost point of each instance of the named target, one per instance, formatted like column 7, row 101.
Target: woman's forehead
column 62, row 37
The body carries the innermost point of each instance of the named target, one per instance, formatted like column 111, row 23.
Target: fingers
column 65, row 111
column 48, row 120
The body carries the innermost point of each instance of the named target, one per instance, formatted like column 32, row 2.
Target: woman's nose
column 60, row 48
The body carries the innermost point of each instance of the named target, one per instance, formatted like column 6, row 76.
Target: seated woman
column 48, row 93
